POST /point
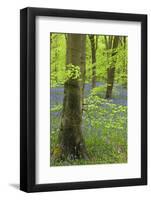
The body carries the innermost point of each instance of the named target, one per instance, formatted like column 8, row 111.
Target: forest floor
column 119, row 94
column 104, row 125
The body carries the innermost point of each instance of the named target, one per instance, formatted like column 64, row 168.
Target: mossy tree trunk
column 93, row 53
column 111, row 46
column 83, row 66
column 70, row 136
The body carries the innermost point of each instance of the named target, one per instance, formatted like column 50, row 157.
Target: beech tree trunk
column 83, row 65
column 93, row 53
column 70, row 136
column 111, row 44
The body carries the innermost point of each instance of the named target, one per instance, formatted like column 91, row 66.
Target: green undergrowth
column 104, row 131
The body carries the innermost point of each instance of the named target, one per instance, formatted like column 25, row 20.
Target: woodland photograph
column 88, row 99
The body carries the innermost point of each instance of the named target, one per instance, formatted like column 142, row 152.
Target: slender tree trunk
column 110, row 81
column 83, row 66
column 70, row 137
column 112, row 45
column 93, row 52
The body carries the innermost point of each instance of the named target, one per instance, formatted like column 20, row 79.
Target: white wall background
column 9, row 99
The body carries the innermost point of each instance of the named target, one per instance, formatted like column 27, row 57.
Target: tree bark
column 93, row 53
column 111, row 44
column 83, row 66
column 70, row 136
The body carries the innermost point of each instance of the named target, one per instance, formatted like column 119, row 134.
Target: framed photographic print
column 83, row 95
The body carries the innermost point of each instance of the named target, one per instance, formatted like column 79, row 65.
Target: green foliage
column 57, row 108
column 72, row 72
column 57, row 59
column 112, row 117
column 121, row 66
column 104, row 58
column 99, row 91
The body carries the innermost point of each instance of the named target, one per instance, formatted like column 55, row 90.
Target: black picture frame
column 28, row 99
